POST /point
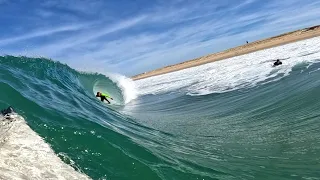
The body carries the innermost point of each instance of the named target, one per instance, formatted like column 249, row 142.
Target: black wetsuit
column 277, row 63
column 7, row 111
column 104, row 97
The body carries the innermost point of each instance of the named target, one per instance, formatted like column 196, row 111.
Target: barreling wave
column 57, row 74
column 58, row 103
column 119, row 87
column 233, row 119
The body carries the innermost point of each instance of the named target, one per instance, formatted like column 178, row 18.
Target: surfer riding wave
column 104, row 97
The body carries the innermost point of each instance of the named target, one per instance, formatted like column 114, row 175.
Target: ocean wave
column 235, row 73
column 56, row 74
column 263, row 117
column 22, row 150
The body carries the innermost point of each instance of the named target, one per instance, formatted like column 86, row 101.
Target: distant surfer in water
column 277, row 63
column 103, row 97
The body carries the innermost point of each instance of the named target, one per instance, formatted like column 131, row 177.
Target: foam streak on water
column 234, row 73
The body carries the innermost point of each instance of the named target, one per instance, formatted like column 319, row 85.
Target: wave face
column 239, row 118
column 24, row 155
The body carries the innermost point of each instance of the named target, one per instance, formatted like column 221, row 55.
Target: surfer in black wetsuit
column 277, row 63
column 103, row 97
column 9, row 110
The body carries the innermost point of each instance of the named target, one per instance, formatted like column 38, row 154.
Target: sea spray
column 127, row 86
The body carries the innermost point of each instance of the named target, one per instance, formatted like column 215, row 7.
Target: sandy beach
column 240, row 50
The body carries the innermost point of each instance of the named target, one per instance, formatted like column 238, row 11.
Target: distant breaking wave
column 235, row 73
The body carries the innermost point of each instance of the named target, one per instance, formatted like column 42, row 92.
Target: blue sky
column 134, row 36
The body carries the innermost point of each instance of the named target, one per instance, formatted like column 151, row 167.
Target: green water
column 269, row 131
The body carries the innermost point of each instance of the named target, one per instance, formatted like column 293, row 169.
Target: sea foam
column 234, row 73
column 25, row 155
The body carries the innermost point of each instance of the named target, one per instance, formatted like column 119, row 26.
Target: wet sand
column 240, row 50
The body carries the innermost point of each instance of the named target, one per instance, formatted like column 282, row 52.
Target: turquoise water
column 268, row 130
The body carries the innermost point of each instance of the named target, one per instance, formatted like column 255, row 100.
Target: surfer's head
column 98, row 94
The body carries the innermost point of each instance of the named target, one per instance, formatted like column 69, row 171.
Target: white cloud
column 167, row 33
column 83, row 39
column 39, row 33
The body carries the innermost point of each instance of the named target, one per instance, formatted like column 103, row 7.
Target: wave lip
column 121, row 88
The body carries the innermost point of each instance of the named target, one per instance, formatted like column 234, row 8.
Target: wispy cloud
column 40, row 33
column 138, row 36
column 94, row 35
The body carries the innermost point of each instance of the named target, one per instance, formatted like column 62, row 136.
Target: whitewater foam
column 119, row 87
column 126, row 85
column 25, row 155
column 234, row 73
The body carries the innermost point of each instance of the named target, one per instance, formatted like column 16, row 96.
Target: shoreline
column 279, row 40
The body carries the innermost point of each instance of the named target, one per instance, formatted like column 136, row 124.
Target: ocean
column 238, row 118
